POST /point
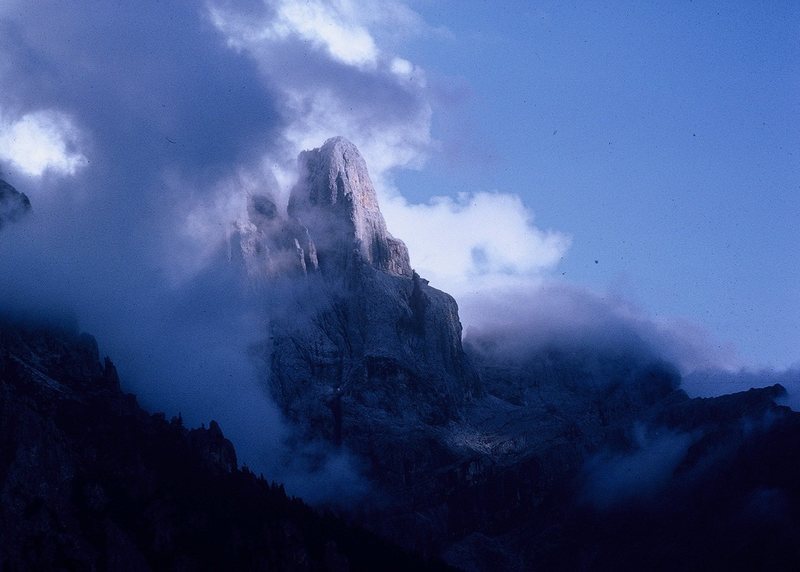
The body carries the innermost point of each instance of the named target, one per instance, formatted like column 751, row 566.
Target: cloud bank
column 533, row 317
column 475, row 241
column 139, row 129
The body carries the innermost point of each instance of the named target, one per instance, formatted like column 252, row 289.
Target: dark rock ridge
column 599, row 462
column 90, row 481
column 13, row 204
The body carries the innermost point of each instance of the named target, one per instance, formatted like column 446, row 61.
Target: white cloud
column 41, row 141
column 474, row 241
column 342, row 80
column 337, row 80
column 332, row 26
column 402, row 67
column 329, row 25
column 385, row 145
column 527, row 317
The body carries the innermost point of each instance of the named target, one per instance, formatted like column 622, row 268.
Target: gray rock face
column 13, row 204
column 273, row 246
column 360, row 346
column 336, row 200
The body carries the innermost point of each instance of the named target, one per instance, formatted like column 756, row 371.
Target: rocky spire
column 336, row 200
column 272, row 245
column 373, row 340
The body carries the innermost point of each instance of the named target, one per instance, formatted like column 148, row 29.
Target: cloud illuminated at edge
column 379, row 101
column 41, row 141
column 475, row 240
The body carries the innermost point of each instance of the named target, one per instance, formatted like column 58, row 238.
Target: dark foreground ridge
column 90, row 481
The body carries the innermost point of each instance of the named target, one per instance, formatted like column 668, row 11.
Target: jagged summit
column 334, row 221
column 336, row 200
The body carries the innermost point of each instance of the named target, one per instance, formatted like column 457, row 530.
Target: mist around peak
column 147, row 177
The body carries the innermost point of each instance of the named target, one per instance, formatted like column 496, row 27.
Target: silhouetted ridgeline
column 88, row 480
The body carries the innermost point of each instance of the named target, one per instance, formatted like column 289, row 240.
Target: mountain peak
column 336, row 200
column 338, row 146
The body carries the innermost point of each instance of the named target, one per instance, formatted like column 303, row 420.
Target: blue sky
column 643, row 153
column 663, row 138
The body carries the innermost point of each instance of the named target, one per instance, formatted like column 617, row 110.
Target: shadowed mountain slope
column 89, row 481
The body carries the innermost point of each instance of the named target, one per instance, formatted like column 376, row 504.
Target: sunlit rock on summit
column 336, row 200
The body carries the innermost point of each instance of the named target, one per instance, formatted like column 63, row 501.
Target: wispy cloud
column 475, row 241
column 526, row 318
column 611, row 479
column 333, row 76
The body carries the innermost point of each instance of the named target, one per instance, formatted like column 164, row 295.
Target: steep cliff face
column 361, row 345
column 336, row 200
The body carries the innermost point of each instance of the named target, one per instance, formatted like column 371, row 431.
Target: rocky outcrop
column 273, row 246
column 213, row 447
column 335, row 199
column 13, row 204
column 333, row 221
